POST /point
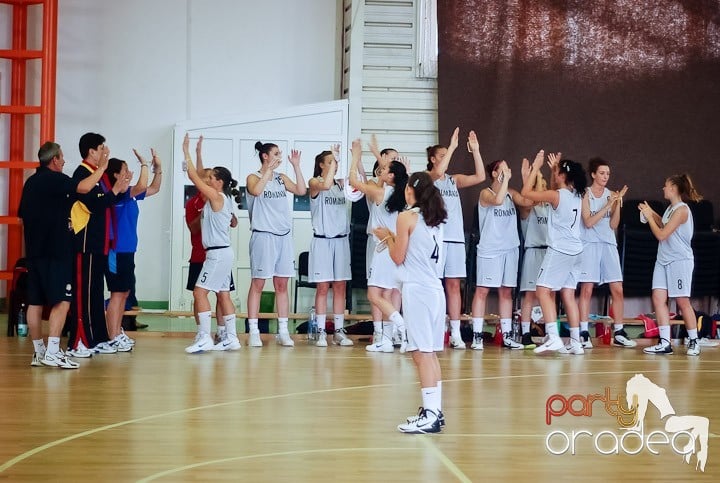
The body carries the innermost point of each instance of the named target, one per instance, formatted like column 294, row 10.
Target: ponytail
column 574, row 175
column 229, row 184
column 685, row 187
column 396, row 202
column 428, row 199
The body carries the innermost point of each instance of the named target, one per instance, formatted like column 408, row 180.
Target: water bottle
column 22, row 328
column 312, row 325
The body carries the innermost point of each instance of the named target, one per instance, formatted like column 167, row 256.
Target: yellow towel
column 79, row 216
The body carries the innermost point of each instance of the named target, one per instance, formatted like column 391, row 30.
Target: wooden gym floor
column 329, row 414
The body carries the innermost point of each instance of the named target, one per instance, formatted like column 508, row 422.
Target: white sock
column 525, row 327
column 575, row 333
column 39, row 345
column 397, row 319
column 320, row 319
column 506, row 326
column 230, row 326
column 551, row 329
column 692, row 333
column 455, row 327
column 431, row 398
column 339, row 320
column 478, row 323
column 221, row 331
column 253, row 325
column 204, row 318
column 664, row 332
column 377, row 327
column 283, row 325
column 53, row 346
column 439, row 390
column 387, row 328
column 584, row 326
column 618, row 327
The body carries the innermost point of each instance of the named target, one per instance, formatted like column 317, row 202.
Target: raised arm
column 465, row 180
column 91, row 181
column 296, row 187
column 213, row 196
column 374, row 192
column 326, row 179
column 141, row 185
column 488, row 198
column 198, row 155
column 441, row 167
column 256, row 184
column 528, row 190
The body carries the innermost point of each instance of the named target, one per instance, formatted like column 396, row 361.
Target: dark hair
column 264, row 149
column 574, row 175
column 387, row 151
column 428, row 198
column 396, row 202
column 318, row 160
column 229, row 184
column 375, row 168
column 89, row 141
column 685, row 187
column 47, row 152
column 114, row 166
column 492, row 167
column 432, row 151
column 595, row 163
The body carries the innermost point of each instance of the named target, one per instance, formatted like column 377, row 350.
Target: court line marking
column 449, row 464
column 31, row 452
column 180, row 469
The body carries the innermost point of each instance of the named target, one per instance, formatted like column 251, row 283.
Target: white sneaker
column 126, row 338
column 477, row 343
column 574, row 347
column 456, row 342
column 621, row 339
column 120, row 344
column 585, row 340
column 554, row 343
column 58, row 360
column 37, row 356
column 380, row 344
column 662, row 347
column 340, row 338
column 426, row 422
column 104, row 348
column 254, row 340
column 283, row 338
column 510, row 343
column 81, row 351
column 321, row 339
column 203, row 342
column 693, row 347
column 705, row 342
column 228, row 343
column 415, row 417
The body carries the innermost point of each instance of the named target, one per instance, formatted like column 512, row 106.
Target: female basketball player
column 600, row 261
column 271, row 248
column 560, row 268
column 216, row 272
column 329, row 260
column 497, row 252
column 454, row 263
column 417, row 250
column 672, row 276
column 386, row 202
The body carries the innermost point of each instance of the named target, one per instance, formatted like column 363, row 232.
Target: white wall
column 131, row 70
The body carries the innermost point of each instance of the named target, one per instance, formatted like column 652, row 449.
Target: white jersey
column 379, row 215
column 370, row 204
column 601, row 231
column 423, row 260
column 564, row 224
column 215, row 225
column 498, row 228
column 454, row 228
column 536, row 235
column 677, row 245
column 270, row 212
column 329, row 213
